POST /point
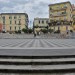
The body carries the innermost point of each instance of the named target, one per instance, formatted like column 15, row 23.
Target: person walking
column 34, row 34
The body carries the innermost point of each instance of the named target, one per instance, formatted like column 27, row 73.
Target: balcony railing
column 58, row 9
column 55, row 15
column 60, row 22
column 19, row 23
column 74, row 17
column 40, row 26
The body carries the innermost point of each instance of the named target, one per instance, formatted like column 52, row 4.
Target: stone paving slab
column 36, row 47
column 44, row 43
column 38, row 74
column 37, row 60
column 37, row 52
column 39, row 67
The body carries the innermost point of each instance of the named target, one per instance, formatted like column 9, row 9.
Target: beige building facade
column 40, row 23
column 60, row 16
column 13, row 21
column 73, row 13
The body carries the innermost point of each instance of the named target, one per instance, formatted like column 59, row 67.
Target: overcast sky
column 34, row 8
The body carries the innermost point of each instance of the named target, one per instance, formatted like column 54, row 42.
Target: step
column 38, row 67
column 37, row 64
column 37, row 60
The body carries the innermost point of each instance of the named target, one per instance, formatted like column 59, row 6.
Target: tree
column 44, row 31
column 25, row 30
column 30, row 30
column 16, row 32
column 71, row 31
column 50, row 30
column 57, row 31
column 19, row 31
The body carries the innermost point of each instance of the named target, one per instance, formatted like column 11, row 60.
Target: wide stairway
column 37, row 65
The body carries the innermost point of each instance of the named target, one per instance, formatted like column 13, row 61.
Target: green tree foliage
column 50, row 30
column 19, row 31
column 25, row 30
column 44, row 31
column 30, row 30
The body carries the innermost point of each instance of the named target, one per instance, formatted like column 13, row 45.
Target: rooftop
column 41, row 18
column 59, row 3
column 14, row 14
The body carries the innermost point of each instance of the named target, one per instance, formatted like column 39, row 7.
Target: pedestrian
column 34, row 34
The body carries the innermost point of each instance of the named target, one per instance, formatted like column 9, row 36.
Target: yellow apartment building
column 60, row 16
column 13, row 21
column 40, row 23
column 73, row 13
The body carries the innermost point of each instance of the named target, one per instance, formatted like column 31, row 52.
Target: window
column 15, row 22
column 19, row 16
column 3, row 17
column 58, row 13
column 64, row 12
column 66, row 27
column 50, row 14
column 71, row 15
column 10, row 28
column 46, row 21
column 65, row 6
column 4, row 22
column 43, row 22
column 10, row 17
column 65, row 18
column 15, row 28
column 15, row 17
column 3, row 27
column 19, row 28
column 50, row 8
column 10, row 22
column 57, row 6
column 58, row 28
column 39, row 22
column 19, row 22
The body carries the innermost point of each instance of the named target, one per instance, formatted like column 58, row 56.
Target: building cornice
column 59, row 3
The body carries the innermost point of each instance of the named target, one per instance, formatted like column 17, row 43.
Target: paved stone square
column 37, row 46
column 37, row 43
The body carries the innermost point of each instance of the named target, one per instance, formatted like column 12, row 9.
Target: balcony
column 58, row 9
column 64, row 14
column 58, row 15
column 40, row 26
column 73, row 17
column 59, row 22
column 19, row 23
